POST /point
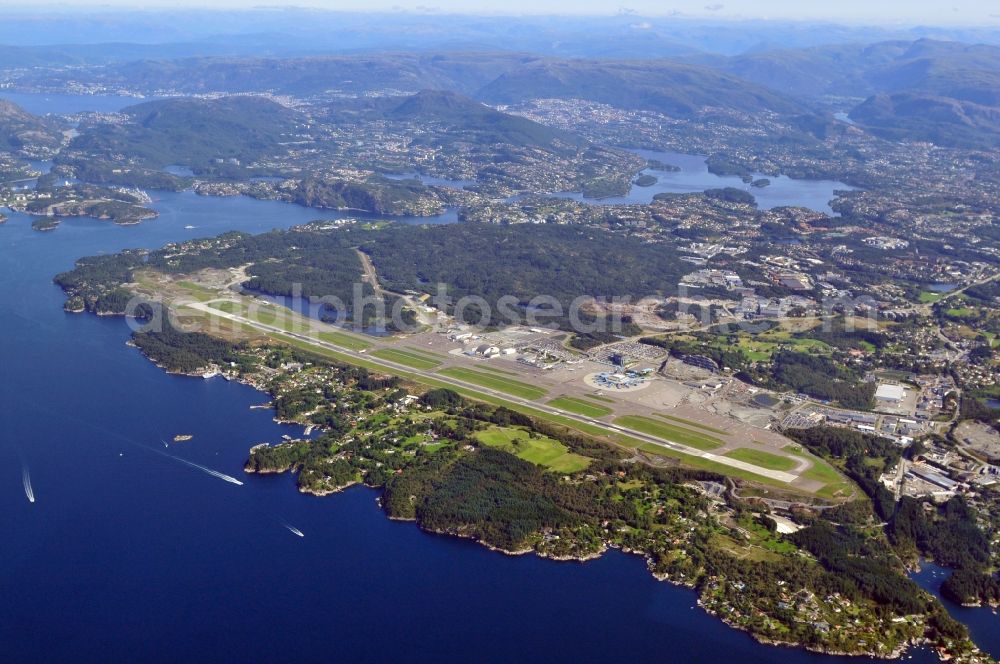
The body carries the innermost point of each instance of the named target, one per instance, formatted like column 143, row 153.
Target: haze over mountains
column 950, row 69
column 913, row 83
column 270, row 30
column 945, row 92
column 670, row 88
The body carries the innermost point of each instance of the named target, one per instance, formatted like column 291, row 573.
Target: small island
column 645, row 180
column 663, row 167
column 122, row 206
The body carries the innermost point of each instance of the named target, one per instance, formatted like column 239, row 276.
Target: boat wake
column 206, row 469
column 149, row 448
column 26, row 480
column 293, row 529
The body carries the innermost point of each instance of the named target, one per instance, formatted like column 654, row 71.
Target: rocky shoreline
column 894, row 654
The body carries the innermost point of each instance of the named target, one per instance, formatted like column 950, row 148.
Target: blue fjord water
column 128, row 554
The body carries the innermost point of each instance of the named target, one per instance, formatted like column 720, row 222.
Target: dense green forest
column 377, row 194
column 194, row 132
column 862, row 457
column 186, row 352
column 948, row 534
column 967, row 586
column 822, row 378
column 485, row 261
column 522, row 262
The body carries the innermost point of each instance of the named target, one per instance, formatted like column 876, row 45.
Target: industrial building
column 890, row 393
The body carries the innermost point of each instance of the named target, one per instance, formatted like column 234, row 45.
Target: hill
column 944, row 92
column 679, row 90
column 20, row 130
column 194, row 132
column 947, row 69
column 504, row 154
column 470, row 120
column 940, row 120
column 405, row 72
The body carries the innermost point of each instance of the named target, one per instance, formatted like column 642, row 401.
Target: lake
column 430, row 180
column 942, row 288
column 41, row 103
column 694, row 177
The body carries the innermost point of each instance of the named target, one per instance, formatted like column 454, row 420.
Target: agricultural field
column 761, row 347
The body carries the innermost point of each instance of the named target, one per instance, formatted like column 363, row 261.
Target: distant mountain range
column 289, row 31
column 948, row 69
column 941, row 120
column 932, row 90
column 675, row 89
column 945, row 92
column 402, row 72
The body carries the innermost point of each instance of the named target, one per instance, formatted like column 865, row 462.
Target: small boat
column 182, row 438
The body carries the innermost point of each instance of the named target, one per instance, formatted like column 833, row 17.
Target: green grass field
column 692, row 461
column 692, row 424
column 407, row 358
column 343, row 340
column 836, row 486
column 761, row 458
column 580, row 407
column 289, row 321
column 264, row 314
column 494, row 382
column 543, row 451
column 199, row 293
column 486, row 367
column 676, row 434
column 761, row 347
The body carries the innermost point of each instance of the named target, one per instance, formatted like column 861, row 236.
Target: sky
column 932, row 12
